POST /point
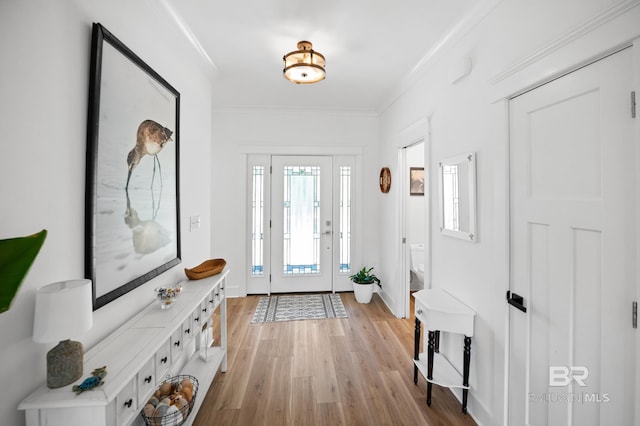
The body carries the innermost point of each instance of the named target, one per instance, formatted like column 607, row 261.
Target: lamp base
column 64, row 364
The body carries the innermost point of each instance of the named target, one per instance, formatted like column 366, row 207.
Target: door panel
column 302, row 229
column 573, row 249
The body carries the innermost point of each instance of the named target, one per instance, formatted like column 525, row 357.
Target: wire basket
column 172, row 389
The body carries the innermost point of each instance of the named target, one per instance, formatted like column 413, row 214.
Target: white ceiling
column 370, row 46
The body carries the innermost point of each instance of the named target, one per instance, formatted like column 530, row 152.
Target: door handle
column 516, row 300
column 327, row 232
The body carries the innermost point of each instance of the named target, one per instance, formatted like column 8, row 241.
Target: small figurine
column 91, row 382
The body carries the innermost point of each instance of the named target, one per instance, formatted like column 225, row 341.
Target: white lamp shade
column 63, row 311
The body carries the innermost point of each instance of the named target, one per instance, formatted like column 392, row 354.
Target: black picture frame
column 132, row 199
column 416, row 181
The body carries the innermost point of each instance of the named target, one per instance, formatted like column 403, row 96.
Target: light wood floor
column 354, row 371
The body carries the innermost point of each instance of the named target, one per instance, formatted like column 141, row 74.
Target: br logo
column 562, row 376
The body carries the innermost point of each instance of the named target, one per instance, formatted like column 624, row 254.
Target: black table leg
column 465, row 371
column 416, row 350
column 437, row 348
column 430, row 355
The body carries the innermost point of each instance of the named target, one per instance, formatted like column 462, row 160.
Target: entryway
column 300, row 223
column 572, row 357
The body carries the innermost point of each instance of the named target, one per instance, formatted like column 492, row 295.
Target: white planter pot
column 363, row 292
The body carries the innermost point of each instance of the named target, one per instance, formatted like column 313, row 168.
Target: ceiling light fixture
column 304, row 66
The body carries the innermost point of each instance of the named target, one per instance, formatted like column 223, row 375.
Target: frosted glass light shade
column 305, row 65
column 63, row 311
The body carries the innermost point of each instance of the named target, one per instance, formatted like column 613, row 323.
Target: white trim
column 415, row 133
column 442, row 46
column 300, row 150
column 189, row 35
column 609, row 32
column 289, row 110
column 636, row 85
column 574, row 34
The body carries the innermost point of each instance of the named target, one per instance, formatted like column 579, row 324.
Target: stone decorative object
column 64, row 364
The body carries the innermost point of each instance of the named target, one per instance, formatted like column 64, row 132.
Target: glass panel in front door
column 301, row 220
column 301, row 225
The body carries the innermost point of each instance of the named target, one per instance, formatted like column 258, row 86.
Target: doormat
column 299, row 307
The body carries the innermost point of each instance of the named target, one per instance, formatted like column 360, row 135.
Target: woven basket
column 205, row 269
column 178, row 417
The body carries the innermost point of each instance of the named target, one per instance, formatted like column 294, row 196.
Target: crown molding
column 453, row 36
column 289, row 110
column 190, row 36
column 590, row 25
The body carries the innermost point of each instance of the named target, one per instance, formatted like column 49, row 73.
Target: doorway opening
column 415, row 220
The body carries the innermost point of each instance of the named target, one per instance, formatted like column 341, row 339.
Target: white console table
column 440, row 311
column 150, row 347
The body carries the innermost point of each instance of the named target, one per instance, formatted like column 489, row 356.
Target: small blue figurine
column 91, row 382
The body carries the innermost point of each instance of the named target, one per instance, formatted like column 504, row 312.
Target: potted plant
column 363, row 282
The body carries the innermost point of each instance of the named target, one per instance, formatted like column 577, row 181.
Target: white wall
column 44, row 78
column 471, row 116
column 237, row 132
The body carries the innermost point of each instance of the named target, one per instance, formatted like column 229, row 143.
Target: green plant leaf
column 16, row 257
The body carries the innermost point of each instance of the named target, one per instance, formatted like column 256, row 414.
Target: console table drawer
column 146, row 381
column 127, row 403
column 420, row 311
column 163, row 361
column 177, row 343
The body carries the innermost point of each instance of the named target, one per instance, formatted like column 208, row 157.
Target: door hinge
column 634, row 314
column 269, row 223
column 270, row 170
column 269, row 277
column 633, row 104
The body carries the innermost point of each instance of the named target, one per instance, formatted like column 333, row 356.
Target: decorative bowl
column 206, row 269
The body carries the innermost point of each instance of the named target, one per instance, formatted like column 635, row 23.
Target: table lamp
column 63, row 311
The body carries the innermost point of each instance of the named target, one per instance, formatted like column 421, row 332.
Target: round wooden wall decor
column 385, row 179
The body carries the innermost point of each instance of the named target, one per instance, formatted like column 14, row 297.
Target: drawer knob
column 177, row 343
column 419, row 312
column 164, row 360
column 148, row 379
column 211, row 301
column 204, row 310
column 128, row 403
column 196, row 319
column 187, row 331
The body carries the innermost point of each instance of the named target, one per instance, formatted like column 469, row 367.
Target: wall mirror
column 457, row 180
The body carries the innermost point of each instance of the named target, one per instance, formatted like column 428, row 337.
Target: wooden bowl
column 205, row 269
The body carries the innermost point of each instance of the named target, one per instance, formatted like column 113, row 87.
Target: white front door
column 302, row 224
column 573, row 245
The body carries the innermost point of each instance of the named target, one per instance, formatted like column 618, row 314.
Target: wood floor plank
column 331, row 414
column 350, row 371
column 304, row 410
column 280, row 390
column 324, row 370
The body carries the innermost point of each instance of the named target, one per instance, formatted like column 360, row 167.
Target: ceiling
column 371, row 46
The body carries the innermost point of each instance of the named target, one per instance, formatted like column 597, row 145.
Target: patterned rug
column 299, row 307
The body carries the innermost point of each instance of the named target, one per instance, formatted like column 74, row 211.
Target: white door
column 572, row 354
column 301, row 228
